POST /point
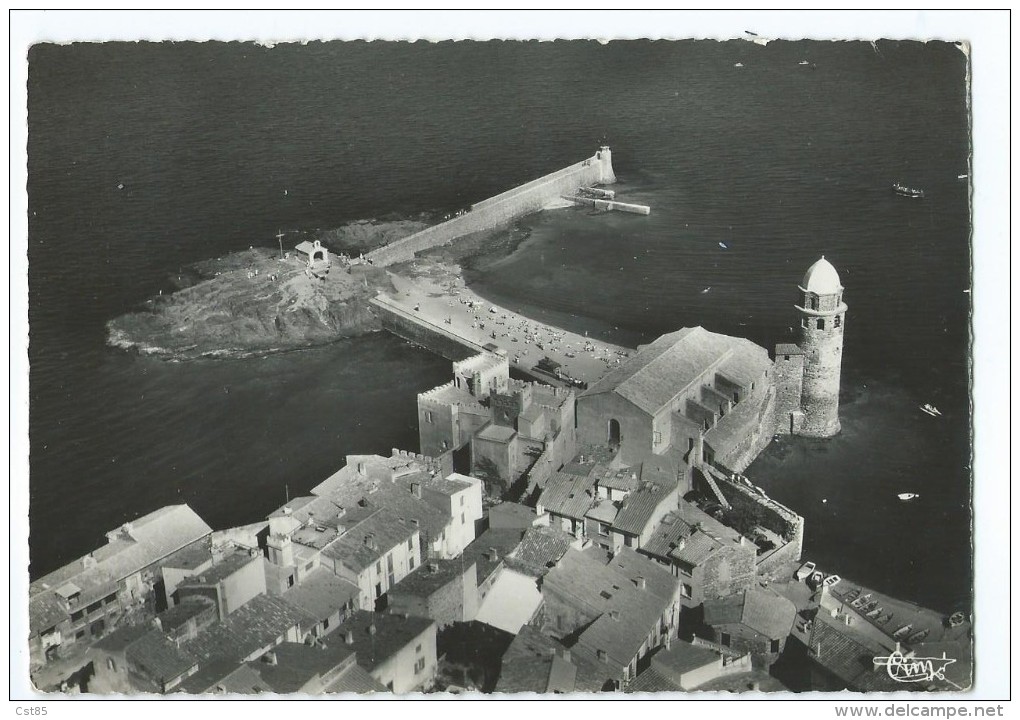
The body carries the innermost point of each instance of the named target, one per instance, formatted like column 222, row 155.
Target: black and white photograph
column 497, row 366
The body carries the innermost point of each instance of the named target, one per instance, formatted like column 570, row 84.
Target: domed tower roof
column 822, row 279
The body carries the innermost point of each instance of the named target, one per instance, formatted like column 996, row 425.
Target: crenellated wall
column 501, row 209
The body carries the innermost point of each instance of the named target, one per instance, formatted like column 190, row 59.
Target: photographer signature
column 914, row 669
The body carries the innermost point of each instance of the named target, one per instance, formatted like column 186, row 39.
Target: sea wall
column 422, row 332
column 500, row 209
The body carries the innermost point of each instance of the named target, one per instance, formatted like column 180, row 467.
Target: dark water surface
column 778, row 161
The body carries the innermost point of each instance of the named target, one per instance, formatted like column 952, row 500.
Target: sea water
column 146, row 157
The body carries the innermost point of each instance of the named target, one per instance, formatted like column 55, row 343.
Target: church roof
column 662, row 370
column 822, row 278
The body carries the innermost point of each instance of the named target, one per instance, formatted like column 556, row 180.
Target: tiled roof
column 297, row 664
column 682, row 658
column 767, row 613
column 355, row 680
column 756, row 680
column 425, row 581
column 321, row 593
column 503, row 541
column 620, row 632
column 191, row 556
column 122, row 637
column 667, row 536
column 372, row 538
column 788, row 349
column 392, row 633
column 639, row 507
column 251, row 627
column 603, row 511
column 159, row 656
column 568, row 495
column 620, row 479
column 652, row 681
column 179, row 614
column 634, row 567
column 696, row 549
column 137, row 545
column 234, row 675
column 540, row 549
column 528, row 666
column 661, row 370
column 849, row 656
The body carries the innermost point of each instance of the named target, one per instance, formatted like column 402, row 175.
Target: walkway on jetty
column 462, row 315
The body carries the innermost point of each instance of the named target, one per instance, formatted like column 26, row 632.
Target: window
column 378, row 566
column 112, row 597
column 462, row 501
column 774, row 646
column 410, row 563
column 325, row 624
column 686, row 590
column 804, row 323
column 290, row 581
column 410, row 543
column 628, row 541
column 378, row 590
column 428, row 416
column 603, row 528
column 79, row 635
column 462, row 520
column 820, row 323
column 419, row 665
column 76, row 616
column 837, row 321
column 309, row 565
column 725, row 639
column 94, row 606
column 656, row 437
column 389, row 564
column 417, row 649
column 814, row 303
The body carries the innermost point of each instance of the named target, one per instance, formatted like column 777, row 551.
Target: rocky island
column 257, row 301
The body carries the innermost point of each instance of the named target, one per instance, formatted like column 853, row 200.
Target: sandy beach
column 443, row 301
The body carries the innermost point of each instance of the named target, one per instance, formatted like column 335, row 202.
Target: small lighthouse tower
column 823, row 316
column 604, row 157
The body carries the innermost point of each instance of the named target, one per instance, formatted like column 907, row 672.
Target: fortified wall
column 503, row 208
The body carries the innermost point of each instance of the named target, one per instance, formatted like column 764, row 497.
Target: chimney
column 269, row 658
column 493, row 554
column 361, row 468
column 89, row 561
column 349, row 637
column 614, row 614
column 640, row 583
column 158, row 624
column 603, row 655
column 372, row 629
column 565, row 654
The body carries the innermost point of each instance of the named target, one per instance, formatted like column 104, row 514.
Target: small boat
column 738, row 65
column 706, row 290
column 873, row 614
column 957, row 619
column 903, row 631
column 906, row 497
column 963, row 176
column 803, row 62
column 901, row 189
column 918, row 636
column 861, row 601
column 931, row 410
column 723, row 246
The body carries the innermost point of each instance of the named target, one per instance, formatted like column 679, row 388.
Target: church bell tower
column 823, row 318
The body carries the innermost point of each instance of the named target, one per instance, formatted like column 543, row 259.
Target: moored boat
column 901, row 189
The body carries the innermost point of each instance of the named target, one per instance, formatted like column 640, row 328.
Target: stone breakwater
column 503, row 208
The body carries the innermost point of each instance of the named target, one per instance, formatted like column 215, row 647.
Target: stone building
column 511, row 426
column 691, row 396
column 313, row 254
column 808, row 374
column 756, row 621
column 87, row 598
